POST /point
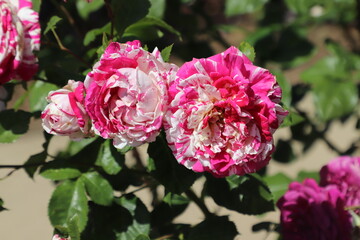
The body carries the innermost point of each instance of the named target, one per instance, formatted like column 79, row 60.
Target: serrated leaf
column 292, row 119
column 109, row 159
column 33, row 163
column 51, row 25
column 278, row 184
column 165, row 53
column 251, row 196
column 99, row 189
column 248, row 50
column 38, row 93
column 73, row 227
column 175, row 177
column 214, row 228
column 128, row 12
column 13, row 124
column 68, row 199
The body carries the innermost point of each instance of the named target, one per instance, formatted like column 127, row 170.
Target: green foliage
column 69, row 200
column 38, row 92
column 248, row 50
column 109, row 159
column 98, row 188
column 165, row 53
column 245, row 194
column 175, row 177
column 235, row 7
column 128, row 12
column 13, row 124
column 51, row 25
column 278, row 184
column 214, row 228
column 85, row 8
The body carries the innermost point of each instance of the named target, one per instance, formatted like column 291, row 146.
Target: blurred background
column 312, row 46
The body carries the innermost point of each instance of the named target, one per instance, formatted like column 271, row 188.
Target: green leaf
column 165, row 53
column 34, row 162
column 137, row 219
column 125, row 149
column 109, row 159
column 157, row 8
column 278, row 184
column 292, row 119
column 51, row 25
column 175, row 177
column 142, row 29
column 334, row 99
column 85, row 7
column 38, row 93
column 236, row 7
column 248, row 50
column 142, row 237
column 214, row 228
column 13, row 124
column 99, row 189
column 251, row 196
column 125, row 219
column 128, row 12
column 285, row 88
column 73, row 227
column 58, row 174
column 68, row 199
column 92, row 34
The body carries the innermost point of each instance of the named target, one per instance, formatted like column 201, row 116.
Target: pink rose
column 57, row 237
column 344, row 173
column 19, row 37
column 222, row 115
column 127, row 94
column 65, row 114
column 312, row 212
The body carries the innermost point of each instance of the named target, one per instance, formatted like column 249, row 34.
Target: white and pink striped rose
column 222, row 114
column 65, row 114
column 19, row 37
column 127, row 94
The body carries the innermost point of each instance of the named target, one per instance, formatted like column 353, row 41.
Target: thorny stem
column 191, row 195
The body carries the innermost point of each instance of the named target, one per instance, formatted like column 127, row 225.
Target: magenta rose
column 127, row 94
column 65, row 114
column 222, row 114
column 312, row 212
column 19, row 37
column 344, row 173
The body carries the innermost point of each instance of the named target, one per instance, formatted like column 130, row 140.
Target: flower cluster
column 219, row 113
column 19, row 37
column 310, row 211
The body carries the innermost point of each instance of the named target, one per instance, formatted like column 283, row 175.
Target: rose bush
column 127, row 94
column 223, row 111
column 19, row 37
column 65, row 114
column 344, row 173
column 309, row 211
